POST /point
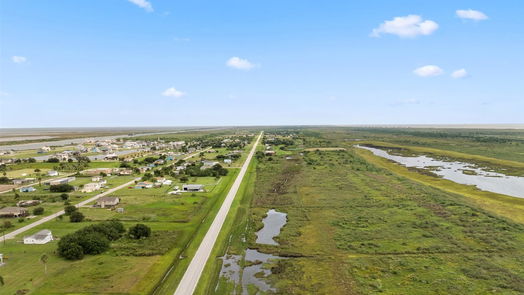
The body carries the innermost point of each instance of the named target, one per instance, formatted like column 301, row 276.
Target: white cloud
column 19, row 59
column 428, row 71
column 239, row 63
column 143, row 4
column 459, row 74
column 406, row 27
column 173, row 92
column 471, row 14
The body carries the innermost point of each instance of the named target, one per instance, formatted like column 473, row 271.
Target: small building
column 120, row 210
column 42, row 237
column 107, row 202
column 27, row 189
column 91, row 187
column 96, row 178
column 125, row 172
column 61, row 180
column 193, row 187
column 20, row 181
column 28, row 203
column 44, row 149
column 228, row 161
column 269, row 153
column 13, row 212
column 143, row 184
column 52, row 173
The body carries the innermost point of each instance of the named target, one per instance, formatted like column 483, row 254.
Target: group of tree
column 73, row 213
column 97, row 238
column 92, row 240
column 61, row 188
column 196, row 171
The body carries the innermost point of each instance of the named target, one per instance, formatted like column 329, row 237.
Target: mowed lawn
column 120, row 270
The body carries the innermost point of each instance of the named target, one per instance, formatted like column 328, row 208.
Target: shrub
column 69, row 249
column 69, row 209
column 92, row 242
column 4, row 180
column 61, row 188
column 64, row 196
column 38, row 211
column 76, row 216
column 53, row 160
column 139, row 231
column 7, row 224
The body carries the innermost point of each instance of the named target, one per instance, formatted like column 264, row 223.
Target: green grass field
column 359, row 226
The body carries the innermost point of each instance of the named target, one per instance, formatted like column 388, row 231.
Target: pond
column 460, row 172
column 273, row 222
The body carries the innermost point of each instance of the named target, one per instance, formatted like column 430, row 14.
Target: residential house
column 143, row 185
column 42, row 237
column 28, row 203
column 208, row 164
column 52, row 173
column 13, row 212
column 193, row 187
column 125, row 172
column 44, row 149
column 228, row 161
column 27, row 189
column 111, row 156
column 60, row 180
column 91, row 187
column 20, row 181
column 96, row 178
column 107, row 202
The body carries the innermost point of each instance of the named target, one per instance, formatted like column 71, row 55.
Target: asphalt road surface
column 190, row 279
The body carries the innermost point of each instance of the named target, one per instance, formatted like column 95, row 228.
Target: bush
column 7, row 224
column 38, row 211
column 92, row 242
column 139, row 231
column 70, row 250
column 4, row 180
column 61, row 188
column 53, row 160
column 76, row 216
column 64, row 196
column 69, row 209
column 112, row 230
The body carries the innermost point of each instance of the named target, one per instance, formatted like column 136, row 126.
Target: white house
column 42, row 237
column 52, row 173
column 91, row 187
column 228, row 161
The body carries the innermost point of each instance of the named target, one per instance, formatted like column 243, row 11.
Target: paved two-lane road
column 190, row 279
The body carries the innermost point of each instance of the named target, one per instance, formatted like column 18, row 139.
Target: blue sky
column 116, row 62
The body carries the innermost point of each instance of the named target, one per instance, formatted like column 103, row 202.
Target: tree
column 44, row 259
column 53, row 160
column 69, row 248
column 38, row 211
column 93, row 242
column 139, row 231
column 4, row 180
column 61, row 188
column 76, row 216
column 64, row 196
column 69, row 209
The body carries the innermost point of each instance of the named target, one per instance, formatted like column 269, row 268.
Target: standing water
column 454, row 171
column 273, row 222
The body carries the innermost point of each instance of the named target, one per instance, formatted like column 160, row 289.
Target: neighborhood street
column 192, row 275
